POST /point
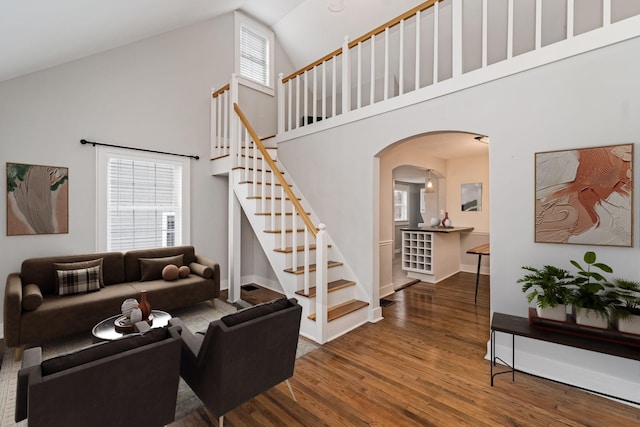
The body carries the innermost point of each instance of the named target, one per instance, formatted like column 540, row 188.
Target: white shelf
column 417, row 251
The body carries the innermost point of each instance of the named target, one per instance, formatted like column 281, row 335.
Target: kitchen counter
column 438, row 229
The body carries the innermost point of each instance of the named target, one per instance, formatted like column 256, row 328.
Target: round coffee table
column 106, row 329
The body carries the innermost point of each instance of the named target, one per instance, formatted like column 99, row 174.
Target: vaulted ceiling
column 38, row 34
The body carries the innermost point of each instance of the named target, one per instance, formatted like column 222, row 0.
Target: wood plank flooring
column 423, row 365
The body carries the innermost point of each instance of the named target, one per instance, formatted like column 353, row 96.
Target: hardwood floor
column 423, row 365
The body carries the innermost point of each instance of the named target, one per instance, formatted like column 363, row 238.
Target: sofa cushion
column 80, row 265
column 102, row 350
column 151, row 268
column 78, row 281
column 254, row 312
column 132, row 259
column 31, row 297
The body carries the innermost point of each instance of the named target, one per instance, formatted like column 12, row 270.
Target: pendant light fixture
column 429, row 188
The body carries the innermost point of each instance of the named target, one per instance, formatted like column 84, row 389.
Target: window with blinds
column 254, row 46
column 254, row 56
column 143, row 202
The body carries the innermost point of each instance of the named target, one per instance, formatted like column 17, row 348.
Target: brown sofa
column 57, row 316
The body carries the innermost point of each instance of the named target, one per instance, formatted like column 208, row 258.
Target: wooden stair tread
column 343, row 309
column 251, row 169
column 269, row 198
column 278, row 213
column 289, row 249
column 260, row 183
column 312, row 267
column 288, row 230
column 332, row 287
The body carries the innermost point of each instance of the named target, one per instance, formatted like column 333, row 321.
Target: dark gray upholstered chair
column 132, row 381
column 241, row 355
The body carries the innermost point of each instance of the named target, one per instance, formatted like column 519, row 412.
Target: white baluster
column 289, row 104
column 321, row 283
column 570, row 14
column 314, row 107
column 418, row 15
column 386, row 64
column 307, row 263
column 510, row 29
column 334, row 88
column 485, row 31
column 225, row 123
column 294, row 238
column 436, row 38
column 283, row 228
column 346, row 77
column 359, row 77
column 401, row 60
column 456, row 38
column 324, row 90
column 373, row 71
column 606, row 13
column 297, row 115
column 281, row 106
column 306, row 98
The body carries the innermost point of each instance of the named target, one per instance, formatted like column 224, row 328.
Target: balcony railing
column 442, row 46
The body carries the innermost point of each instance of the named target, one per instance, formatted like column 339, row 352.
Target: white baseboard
column 467, row 268
column 572, row 372
column 387, row 290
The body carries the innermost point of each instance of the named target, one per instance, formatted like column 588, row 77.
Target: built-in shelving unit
column 431, row 254
column 417, row 250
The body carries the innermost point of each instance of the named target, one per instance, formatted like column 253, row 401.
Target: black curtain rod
column 84, row 141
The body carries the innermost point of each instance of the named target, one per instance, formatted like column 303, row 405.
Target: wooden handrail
column 276, row 172
column 390, row 24
column 221, row 90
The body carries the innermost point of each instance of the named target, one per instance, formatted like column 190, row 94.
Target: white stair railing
column 270, row 179
column 427, row 45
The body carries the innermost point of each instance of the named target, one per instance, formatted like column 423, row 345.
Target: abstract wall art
column 37, row 199
column 585, row 196
column 471, row 197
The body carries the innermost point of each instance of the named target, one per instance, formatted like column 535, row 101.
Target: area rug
column 196, row 318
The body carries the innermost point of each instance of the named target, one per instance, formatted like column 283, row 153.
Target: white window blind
column 144, row 202
column 254, row 56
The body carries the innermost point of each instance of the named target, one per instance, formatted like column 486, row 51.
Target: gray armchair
column 241, row 355
column 132, row 381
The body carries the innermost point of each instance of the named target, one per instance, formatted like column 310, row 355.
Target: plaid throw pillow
column 78, row 281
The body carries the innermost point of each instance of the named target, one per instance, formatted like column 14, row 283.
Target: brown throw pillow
column 151, row 268
column 201, row 270
column 78, row 281
column 184, row 271
column 31, row 297
column 77, row 266
column 170, row 272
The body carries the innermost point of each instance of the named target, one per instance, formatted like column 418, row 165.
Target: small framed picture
column 471, row 197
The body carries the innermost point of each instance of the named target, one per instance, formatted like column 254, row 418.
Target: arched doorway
column 453, row 158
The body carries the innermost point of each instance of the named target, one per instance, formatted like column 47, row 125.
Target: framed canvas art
column 585, row 196
column 37, row 199
column 471, row 197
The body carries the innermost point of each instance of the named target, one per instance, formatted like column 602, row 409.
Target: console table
column 514, row 325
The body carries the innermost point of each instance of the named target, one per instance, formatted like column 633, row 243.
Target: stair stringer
column 290, row 282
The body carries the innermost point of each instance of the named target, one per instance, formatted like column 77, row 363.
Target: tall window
column 400, row 205
column 254, row 53
column 142, row 201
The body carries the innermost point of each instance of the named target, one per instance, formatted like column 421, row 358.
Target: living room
column 155, row 94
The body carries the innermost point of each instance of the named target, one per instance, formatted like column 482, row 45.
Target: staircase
column 307, row 263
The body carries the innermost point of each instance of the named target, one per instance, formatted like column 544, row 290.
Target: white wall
column 588, row 100
column 151, row 94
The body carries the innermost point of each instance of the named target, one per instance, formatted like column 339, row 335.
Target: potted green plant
column 626, row 311
column 592, row 295
column 549, row 287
